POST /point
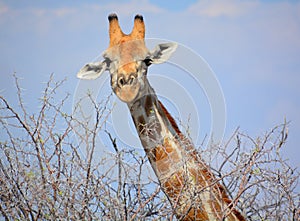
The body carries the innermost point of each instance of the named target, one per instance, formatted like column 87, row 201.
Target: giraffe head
column 127, row 59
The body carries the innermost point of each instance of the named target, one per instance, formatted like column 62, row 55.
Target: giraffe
column 186, row 180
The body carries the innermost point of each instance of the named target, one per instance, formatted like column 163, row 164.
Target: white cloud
column 256, row 42
column 130, row 8
column 230, row 8
column 43, row 19
column 3, row 9
column 62, row 12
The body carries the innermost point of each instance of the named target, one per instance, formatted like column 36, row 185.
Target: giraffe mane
column 171, row 119
column 204, row 170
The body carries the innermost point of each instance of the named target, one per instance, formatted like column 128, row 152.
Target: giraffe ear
column 92, row 71
column 162, row 52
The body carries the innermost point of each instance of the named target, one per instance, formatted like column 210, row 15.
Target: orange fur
column 117, row 36
column 115, row 32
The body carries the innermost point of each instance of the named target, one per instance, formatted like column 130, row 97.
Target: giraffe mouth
column 127, row 93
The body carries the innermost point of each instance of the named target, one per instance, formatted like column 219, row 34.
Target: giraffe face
column 127, row 64
column 127, row 59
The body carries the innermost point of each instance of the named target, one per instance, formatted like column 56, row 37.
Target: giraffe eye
column 148, row 61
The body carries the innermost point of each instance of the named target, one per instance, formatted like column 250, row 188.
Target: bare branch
column 47, row 174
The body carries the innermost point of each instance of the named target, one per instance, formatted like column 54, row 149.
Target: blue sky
column 252, row 46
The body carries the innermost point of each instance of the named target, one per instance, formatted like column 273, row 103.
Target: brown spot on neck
column 148, row 105
column 140, row 124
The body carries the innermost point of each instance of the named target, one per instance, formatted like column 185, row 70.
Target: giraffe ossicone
column 185, row 178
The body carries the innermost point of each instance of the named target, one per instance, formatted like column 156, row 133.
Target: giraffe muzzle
column 127, row 88
column 123, row 81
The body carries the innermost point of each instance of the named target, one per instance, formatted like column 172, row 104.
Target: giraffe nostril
column 131, row 79
column 122, row 80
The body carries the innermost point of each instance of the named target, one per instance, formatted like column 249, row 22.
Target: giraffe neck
column 153, row 127
column 179, row 169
